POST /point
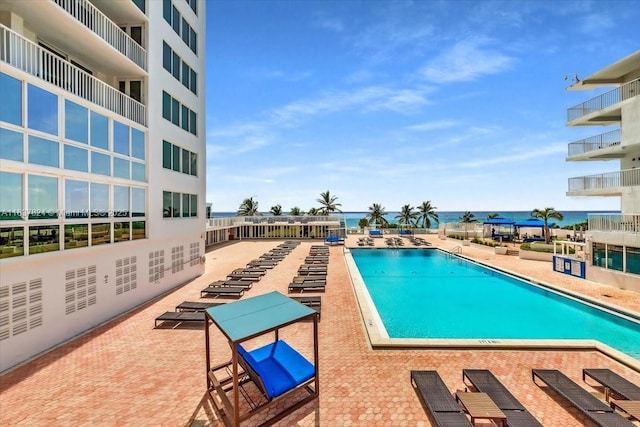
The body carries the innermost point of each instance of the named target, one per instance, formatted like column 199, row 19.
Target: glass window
column 11, row 200
column 76, row 158
column 175, row 112
column 11, row 145
column 137, row 143
column 598, row 254
column 43, row 197
column 194, row 205
column 185, row 118
column 120, row 201
column 175, row 20
column 11, row 105
column 138, row 172
column 76, row 199
column 76, row 236
column 193, row 43
column 185, row 74
column 614, row 252
column 166, row 10
column 44, row 238
column 176, row 158
column 76, row 122
column 138, row 230
column 99, row 131
column 194, row 164
column 121, row 231
column 11, row 242
column 135, row 90
column 167, row 210
column 186, row 161
column 176, row 66
column 185, row 205
column 193, row 123
column 633, row 260
column 138, row 201
column 120, row 138
column 166, row 154
column 99, row 200
column 166, row 56
column 42, row 112
column 193, row 80
column 121, row 168
column 185, row 31
column 166, row 105
column 100, row 234
column 176, row 205
column 100, row 164
column 43, row 151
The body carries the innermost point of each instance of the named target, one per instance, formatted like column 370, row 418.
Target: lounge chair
column 250, row 277
column 437, row 398
column 315, row 286
column 222, row 291
column 180, row 316
column 613, row 383
column 484, row 381
column 196, row 305
column 595, row 409
column 314, row 302
column 313, row 277
column 245, row 284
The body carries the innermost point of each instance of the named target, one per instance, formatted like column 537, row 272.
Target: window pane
column 76, row 122
column 615, row 257
column 120, row 138
column 185, row 118
column 137, row 143
column 136, row 34
column 100, row 234
column 175, row 112
column 76, row 236
column 194, row 205
column 44, row 238
column 42, row 112
column 193, row 80
column 11, row 105
column 633, row 260
column 100, row 164
column 43, row 151
column 176, row 158
column 193, row 42
column 11, row 200
column 99, row 131
column 175, row 20
column 138, row 230
column 166, row 105
column 76, row 199
column 185, row 205
column 43, row 197
column 193, row 125
column 120, row 201
column 135, row 90
column 186, row 161
column 185, row 74
column 166, row 10
column 138, row 201
column 121, row 168
column 166, row 155
column 598, row 254
column 11, row 242
column 138, row 171
column 176, row 205
column 121, row 231
column 194, row 164
column 166, row 204
column 11, row 145
column 76, row 158
column 99, row 202
column 176, row 66
column 185, row 31
column 166, row 56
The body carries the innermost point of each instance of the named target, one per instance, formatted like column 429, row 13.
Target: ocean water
column 352, row 218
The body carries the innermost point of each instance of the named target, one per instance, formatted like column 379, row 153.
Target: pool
column 433, row 295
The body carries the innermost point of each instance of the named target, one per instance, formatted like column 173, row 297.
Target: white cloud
column 428, row 126
column 529, row 154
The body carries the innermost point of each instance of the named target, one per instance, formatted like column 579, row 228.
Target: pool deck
column 127, row 372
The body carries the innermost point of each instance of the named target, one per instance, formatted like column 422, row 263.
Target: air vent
column 79, row 283
column 126, row 274
column 177, row 259
column 156, row 265
column 194, row 254
column 20, row 308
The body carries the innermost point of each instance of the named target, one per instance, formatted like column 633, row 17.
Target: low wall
column 537, row 256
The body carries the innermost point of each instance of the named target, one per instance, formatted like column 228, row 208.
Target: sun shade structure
column 277, row 369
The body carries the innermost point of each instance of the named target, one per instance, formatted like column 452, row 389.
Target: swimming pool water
column 431, row 294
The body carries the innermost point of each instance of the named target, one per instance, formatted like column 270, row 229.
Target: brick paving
column 128, row 373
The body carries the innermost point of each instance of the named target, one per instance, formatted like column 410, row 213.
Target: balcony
column 601, row 109
column 606, row 184
column 617, row 223
column 30, row 58
column 221, row 223
column 603, row 146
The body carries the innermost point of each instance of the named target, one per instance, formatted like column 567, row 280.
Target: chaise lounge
column 437, row 398
column 180, row 316
column 595, row 409
column 222, row 291
column 613, row 383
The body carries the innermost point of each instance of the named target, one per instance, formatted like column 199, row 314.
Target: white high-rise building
column 102, row 162
column 613, row 240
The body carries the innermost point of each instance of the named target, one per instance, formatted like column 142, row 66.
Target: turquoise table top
column 251, row 316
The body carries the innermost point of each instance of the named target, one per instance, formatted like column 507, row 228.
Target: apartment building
column 613, row 240
column 102, row 162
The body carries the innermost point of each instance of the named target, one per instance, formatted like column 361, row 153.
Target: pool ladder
column 455, row 250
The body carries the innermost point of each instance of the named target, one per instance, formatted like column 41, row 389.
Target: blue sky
column 462, row 103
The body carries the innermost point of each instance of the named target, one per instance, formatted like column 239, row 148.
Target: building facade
column 613, row 240
column 102, row 162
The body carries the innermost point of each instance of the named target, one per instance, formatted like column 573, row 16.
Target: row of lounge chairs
column 312, row 275
column 365, row 241
column 493, row 401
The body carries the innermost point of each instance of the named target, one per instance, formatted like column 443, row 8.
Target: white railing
column 90, row 16
column 624, row 223
column 623, row 178
column 593, row 143
column 269, row 220
column 26, row 56
column 607, row 99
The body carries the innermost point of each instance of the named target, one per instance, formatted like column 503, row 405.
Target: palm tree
column 312, row 212
column 328, row 203
column 426, row 213
column 407, row 215
column 276, row 210
column 295, row 211
column 362, row 223
column 467, row 218
column 376, row 214
column 493, row 215
column 248, row 207
column 545, row 214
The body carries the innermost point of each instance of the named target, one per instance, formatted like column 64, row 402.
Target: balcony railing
column 623, row 223
column 594, row 143
column 26, row 56
column 100, row 24
column 604, row 181
column 269, row 220
column 607, row 99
